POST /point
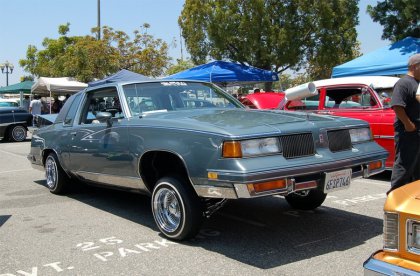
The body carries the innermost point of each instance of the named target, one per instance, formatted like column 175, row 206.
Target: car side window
column 68, row 120
column 349, row 98
column 105, row 100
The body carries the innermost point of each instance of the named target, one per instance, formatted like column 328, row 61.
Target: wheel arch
column 156, row 164
column 46, row 152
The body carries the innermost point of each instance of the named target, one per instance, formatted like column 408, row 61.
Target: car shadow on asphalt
column 264, row 232
column 5, row 141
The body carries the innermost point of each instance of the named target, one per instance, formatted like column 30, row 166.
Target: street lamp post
column 7, row 65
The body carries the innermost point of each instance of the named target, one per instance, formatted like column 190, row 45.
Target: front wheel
column 177, row 210
column 306, row 200
column 17, row 133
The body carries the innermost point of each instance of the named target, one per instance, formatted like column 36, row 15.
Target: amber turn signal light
column 232, row 149
column 267, row 186
column 375, row 165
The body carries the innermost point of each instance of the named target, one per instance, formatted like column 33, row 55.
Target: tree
column 287, row 81
column 400, row 18
column 271, row 34
column 181, row 65
column 86, row 58
column 26, row 78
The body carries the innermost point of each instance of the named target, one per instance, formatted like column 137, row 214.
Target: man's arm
column 402, row 116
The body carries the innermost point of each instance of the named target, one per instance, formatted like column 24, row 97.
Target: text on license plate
column 337, row 180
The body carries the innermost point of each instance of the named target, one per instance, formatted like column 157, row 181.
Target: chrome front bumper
column 374, row 267
column 231, row 185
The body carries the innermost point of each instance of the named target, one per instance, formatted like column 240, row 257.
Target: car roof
column 375, row 81
column 113, row 84
column 8, row 100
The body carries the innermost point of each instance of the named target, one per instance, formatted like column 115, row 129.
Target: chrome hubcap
column 19, row 133
column 51, row 172
column 167, row 210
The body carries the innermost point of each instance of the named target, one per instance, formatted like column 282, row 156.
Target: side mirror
column 104, row 117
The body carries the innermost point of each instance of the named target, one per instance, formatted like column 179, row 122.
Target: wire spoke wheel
column 57, row 180
column 176, row 208
column 168, row 212
column 51, row 172
column 18, row 134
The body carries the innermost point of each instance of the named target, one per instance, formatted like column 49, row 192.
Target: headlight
column 413, row 236
column 248, row 148
column 391, row 237
column 358, row 135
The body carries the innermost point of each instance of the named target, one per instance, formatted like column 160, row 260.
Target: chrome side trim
column 115, row 180
column 13, row 123
column 215, row 192
column 374, row 267
column 383, row 137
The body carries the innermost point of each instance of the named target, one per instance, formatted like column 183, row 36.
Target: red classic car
column 365, row 98
column 262, row 100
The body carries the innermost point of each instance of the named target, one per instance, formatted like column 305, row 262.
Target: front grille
column 339, row 140
column 297, row 145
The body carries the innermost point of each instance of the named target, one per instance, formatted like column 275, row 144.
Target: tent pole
column 21, row 98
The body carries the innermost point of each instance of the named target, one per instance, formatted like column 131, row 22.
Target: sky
column 28, row 22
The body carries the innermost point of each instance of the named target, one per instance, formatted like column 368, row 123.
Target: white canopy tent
column 61, row 86
column 57, row 86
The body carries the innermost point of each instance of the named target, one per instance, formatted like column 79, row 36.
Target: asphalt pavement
column 94, row 231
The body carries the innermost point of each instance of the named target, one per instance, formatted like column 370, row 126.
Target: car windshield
column 175, row 95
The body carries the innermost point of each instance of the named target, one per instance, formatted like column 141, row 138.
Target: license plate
column 337, row 180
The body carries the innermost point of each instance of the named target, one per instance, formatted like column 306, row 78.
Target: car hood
column 405, row 199
column 238, row 122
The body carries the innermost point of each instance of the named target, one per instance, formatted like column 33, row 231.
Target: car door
column 99, row 149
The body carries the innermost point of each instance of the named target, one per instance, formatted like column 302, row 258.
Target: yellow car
column 401, row 238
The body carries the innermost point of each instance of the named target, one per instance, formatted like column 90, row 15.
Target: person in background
column 407, row 126
column 386, row 100
column 257, row 90
column 56, row 106
column 25, row 103
column 67, row 96
column 35, row 108
column 44, row 106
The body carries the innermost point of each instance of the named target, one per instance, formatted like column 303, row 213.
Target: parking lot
column 95, row 231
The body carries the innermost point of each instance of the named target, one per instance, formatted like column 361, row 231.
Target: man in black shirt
column 407, row 126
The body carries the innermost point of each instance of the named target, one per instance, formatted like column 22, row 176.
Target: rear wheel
column 17, row 133
column 177, row 210
column 57, row 181
column 306, row 200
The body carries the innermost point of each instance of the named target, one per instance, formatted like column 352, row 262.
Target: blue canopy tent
column 388, row 60
column 225, row 72
column 122, row 75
